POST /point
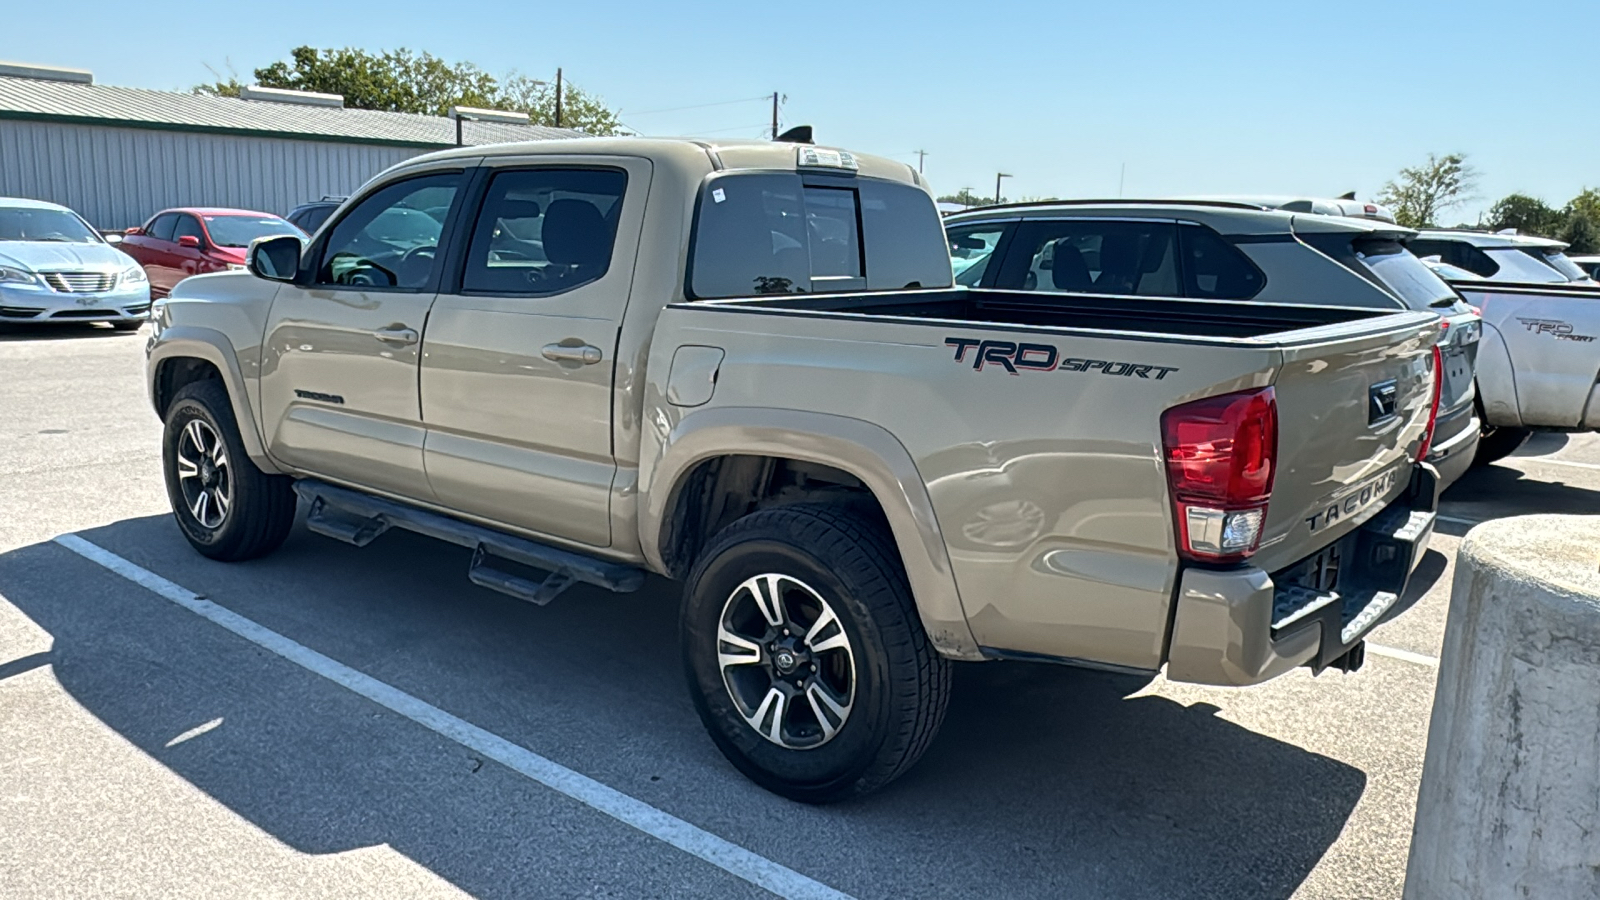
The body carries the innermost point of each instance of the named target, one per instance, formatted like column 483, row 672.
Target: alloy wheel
column 204, row 474
column 786, row 661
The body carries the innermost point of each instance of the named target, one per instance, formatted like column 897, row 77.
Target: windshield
column 1403, row 273
column 239, row 231
column 1518, row 266
column 1557, row 260
column 22, row 224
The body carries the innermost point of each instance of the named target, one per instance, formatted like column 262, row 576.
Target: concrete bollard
column 1510, row 798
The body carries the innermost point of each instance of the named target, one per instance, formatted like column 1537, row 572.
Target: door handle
column 584, row 353
column 396, row 335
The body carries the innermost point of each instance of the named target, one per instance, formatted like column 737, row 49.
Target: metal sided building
column 117, row 155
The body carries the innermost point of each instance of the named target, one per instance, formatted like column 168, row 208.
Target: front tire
column 805, row 656
column 226, row 507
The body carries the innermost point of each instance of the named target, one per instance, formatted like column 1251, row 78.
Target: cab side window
column 391, row 238
column 1460, row 254
column 161, row 227
column 544, row 231
column 1093, row 256
column 1214, row 269
column 188, row 226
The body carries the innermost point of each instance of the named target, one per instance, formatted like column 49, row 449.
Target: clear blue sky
column 1194, row 98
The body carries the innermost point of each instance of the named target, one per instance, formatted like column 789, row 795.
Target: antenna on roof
column 800, row 134
column 1348, row 195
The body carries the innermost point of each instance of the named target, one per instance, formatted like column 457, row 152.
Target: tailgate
column 1351, row 411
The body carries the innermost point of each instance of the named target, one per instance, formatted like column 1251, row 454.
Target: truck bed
column 1126, row 314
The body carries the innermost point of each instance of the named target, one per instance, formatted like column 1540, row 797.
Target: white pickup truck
column 744, row 366
column 1539, row 359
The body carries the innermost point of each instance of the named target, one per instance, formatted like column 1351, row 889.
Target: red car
column 177, row 243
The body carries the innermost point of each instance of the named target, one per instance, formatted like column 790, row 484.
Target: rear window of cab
column 784, row 232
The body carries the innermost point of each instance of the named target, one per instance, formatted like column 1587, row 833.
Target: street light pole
column 997, row 177
column 921, row 155
column 558, row 97
column 774, row 115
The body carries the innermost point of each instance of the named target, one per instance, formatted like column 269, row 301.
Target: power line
column 651, row 112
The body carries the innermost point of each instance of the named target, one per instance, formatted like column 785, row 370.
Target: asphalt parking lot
column 334, row 722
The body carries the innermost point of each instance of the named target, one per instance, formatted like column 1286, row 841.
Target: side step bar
column 358, row 519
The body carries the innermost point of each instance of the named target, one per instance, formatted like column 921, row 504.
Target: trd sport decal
column 1016, row 358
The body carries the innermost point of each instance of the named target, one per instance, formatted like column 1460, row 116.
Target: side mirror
column 188, row 240
column 113, row 238
column 275, row 258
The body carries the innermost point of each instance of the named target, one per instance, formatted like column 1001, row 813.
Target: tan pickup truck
column 744, row 366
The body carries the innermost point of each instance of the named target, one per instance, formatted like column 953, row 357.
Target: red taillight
column 1221, row 452
column 1436, row 363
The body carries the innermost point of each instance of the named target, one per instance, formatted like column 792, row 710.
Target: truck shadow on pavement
column 1496, row 491
column 1045, row 781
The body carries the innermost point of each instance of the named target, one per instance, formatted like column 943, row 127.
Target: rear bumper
column 1452, row 454
column 1244, row 626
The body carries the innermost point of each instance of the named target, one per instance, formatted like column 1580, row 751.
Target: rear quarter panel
column 1551, row 339
column 1048, row 485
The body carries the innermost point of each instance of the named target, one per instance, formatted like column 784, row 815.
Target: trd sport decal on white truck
column 1562, row 331
column 1015, row 358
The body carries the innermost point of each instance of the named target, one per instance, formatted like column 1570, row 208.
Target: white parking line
column 1405, row 655
column 1559, row 462
column 695, row 841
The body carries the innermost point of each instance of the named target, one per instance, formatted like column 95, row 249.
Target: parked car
column 55, row 267
column 1232, row 251
column 1501, row 256
column 1589, row 264
column 177, row 243
column 742, row 365
column 308, row 217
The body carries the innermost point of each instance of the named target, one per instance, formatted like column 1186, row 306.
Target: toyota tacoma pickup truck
column 744, row 366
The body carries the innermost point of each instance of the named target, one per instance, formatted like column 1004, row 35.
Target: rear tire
column 860, row 701
column 1495, row 444
column 226, row 507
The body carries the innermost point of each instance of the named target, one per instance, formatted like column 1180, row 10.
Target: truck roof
column 724, row 154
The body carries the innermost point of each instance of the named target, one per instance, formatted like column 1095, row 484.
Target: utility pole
column 774, row 115
column 997, row 177
column 921, row 154
column 558, row 97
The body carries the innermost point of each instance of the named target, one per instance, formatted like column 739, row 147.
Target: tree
column 1528, row 215
column 1582, row 229
column 1582, row 232
column 579, row 108
column 407, row 81
column 966, row 197
column 1422, row 193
